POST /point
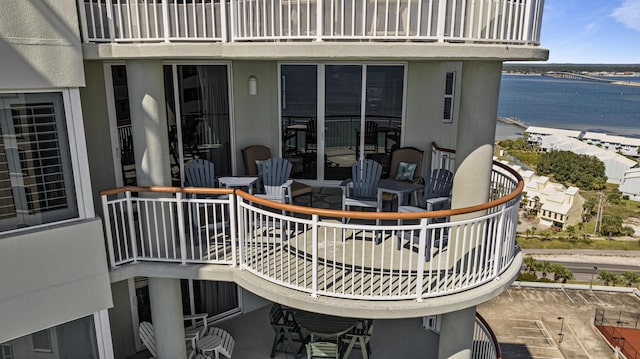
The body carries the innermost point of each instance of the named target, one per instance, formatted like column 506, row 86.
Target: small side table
column 239, row 182
column 209, row 343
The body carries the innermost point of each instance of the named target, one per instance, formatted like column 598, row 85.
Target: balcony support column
column 474, row 151
column 145, row 81
column 166, row 309
column 456, row 334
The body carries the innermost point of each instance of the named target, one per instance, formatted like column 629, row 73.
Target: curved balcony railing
column 407, row 256
column 489, row 21
column 485, row 342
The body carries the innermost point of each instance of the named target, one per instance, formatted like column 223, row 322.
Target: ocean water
column 569, row 104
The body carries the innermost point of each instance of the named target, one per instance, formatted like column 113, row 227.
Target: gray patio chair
column 252, row 155
column 275, row 179
column 362, row 189
column 200, row 173
column 287, row 331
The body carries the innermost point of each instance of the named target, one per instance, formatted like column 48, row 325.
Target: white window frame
column 3, row 351
column 78, row 155
column 46, row 334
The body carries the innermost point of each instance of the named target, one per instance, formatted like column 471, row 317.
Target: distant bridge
column 574, row 76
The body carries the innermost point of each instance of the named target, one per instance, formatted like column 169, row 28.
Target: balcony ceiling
column 317, row 51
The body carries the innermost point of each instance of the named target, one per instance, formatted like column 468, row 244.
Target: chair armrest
column 287, row 184
column 346, row 185
column 198, row 316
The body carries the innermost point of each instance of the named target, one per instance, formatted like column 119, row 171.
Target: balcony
column 512, row 22
column 408, row 256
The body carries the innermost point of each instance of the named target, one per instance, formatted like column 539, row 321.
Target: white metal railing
column 485, row 343
column 312, row 250
column 493, row 21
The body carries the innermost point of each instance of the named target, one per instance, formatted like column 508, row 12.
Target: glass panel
column 74, row 339
column 204, row 117
column 299, row 96
column 123, row 120
column 343, row 89
column 383, row 120
column 35, row 163
column 216, row 298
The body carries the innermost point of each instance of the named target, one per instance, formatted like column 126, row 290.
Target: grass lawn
column 537, row 243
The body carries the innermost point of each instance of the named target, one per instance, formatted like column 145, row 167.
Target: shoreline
column 514, row 128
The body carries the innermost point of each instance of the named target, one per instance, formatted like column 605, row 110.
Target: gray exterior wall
column 40, row 45
column 52, row 276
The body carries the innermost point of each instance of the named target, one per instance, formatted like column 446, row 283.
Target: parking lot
column 552, row 323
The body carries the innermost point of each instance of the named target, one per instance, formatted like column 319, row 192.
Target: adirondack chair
column 226, row 348
column 275, row 178
column 285, row 328
column 437, row 192
column 147, row 337
column 362, row 189
column 200, row 173
column 258, row 153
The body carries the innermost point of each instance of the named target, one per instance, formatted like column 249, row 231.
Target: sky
column 592, row 31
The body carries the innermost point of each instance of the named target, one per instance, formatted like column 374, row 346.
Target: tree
column 609, row 278
column 527, row 232
column 545, row 268
column 572, row 232
column 589, row 205
column 561, row 272
column 612, row 226
column 631, row 279
column 569, row 168
column 614, row 196
column 530, row 263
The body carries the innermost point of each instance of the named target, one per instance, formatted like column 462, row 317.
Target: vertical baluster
column 407, row 25
column 452, row 26
column 82, row 9
column 264, row 18
column 398, row 17
column 332, row 18
column 364, row 17
column 108, row 230
column 386, row 18
column 314, row 255
column 273, row 18
column 138, row 22
column 341, row 17
column 422, row 245
column 442, row 10
column 308, row 2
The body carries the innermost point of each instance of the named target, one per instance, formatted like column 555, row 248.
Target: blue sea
column 569, row 104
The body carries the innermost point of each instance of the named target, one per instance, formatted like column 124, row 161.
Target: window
column 6, row 351
column 449, row 90
column 36, row 178
column 42, row 341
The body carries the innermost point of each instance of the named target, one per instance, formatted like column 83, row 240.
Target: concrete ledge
column 375, row 309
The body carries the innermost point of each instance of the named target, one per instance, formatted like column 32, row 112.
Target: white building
column 615, row 165
column 536, row 134
column 630, row 185
column 102, row 94
column 558, row 205
column 624, row 145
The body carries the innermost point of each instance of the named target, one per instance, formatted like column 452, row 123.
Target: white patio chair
column 147, row 337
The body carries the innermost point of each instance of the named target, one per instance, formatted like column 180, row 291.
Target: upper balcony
column 498, row 22
column 404, row 260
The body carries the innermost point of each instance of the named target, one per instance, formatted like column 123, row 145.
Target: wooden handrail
column 332, row 212
column 442, row 149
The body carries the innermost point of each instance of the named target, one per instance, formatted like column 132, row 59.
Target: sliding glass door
column 198, row 117
column 333, row 115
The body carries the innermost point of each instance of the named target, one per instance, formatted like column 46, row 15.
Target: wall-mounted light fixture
column 253, row 85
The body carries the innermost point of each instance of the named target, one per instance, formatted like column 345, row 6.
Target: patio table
column 240, row 181
column 323, row 325
column 399, row 188
column 209, row 343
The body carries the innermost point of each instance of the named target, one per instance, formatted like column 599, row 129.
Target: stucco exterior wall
column 40, row 45
column 52, row 276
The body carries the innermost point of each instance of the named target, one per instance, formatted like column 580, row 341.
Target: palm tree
column 527, row 232
column 530, row 262
column 609, row 278
column 561, row 272
column 631, row 279
column 544, row 267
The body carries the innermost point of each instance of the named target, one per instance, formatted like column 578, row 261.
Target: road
column 581, row 262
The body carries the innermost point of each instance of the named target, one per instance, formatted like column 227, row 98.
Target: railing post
column 165, row 20
column 107, row 227
column 232, row 20
column 422, row 248
column 233, row 224
column 223, row 19
column 132, row 229
column 442, row 16
column 242, row 224
column 320, row 20
column 112, row 34
column 499, row 239
column 527, row 21
column 181, row 228
column 314, row 255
